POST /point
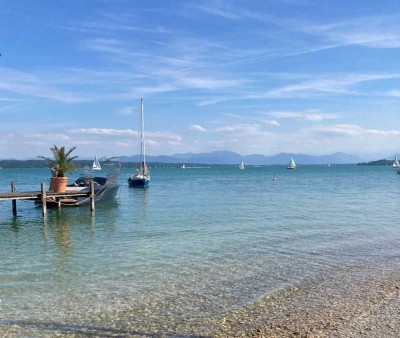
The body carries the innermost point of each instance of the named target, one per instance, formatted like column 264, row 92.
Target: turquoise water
column 198, row 243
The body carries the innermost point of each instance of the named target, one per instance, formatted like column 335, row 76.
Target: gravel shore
column 349, row 304
column 355, row 301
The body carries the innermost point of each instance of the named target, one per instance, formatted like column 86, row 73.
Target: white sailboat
column 142, row 176
column 396, row 163
column 292, row 164
column 96, row 164
column 241, row 165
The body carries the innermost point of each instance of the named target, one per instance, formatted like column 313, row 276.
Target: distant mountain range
column 229, row 157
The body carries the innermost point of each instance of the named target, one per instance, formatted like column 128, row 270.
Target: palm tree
column 62, row 162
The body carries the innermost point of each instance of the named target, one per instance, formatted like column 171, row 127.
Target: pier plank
column 36, row 195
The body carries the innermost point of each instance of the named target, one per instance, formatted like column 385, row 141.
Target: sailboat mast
column 142, row 148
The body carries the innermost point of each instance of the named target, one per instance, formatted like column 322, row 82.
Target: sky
column 254, row 77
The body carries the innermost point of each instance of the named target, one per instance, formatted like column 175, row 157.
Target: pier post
column 91, row 196
column 14, row 201
column 44, row 205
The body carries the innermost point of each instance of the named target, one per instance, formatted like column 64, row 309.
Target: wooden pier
column 43, row 196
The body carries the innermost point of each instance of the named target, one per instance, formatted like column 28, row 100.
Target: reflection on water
column 59, row 225
column 139, row 198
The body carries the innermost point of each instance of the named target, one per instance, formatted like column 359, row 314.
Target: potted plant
column 61, row 164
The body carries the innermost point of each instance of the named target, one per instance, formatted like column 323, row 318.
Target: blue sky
column 255, row 77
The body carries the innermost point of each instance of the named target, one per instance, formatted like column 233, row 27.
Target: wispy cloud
column 393, row 93
column 310, row 115
column 31, row 85
column 102, row 131
column 324, row 85
column 272, row 123
column 371, row 31
column 353, row 130
column 197, row 127
column 220, row 11
column 241, row 129
column 232, row 115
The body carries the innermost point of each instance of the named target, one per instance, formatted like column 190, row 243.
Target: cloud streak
column 311, row 115
column 197, row 127
column 354, row 130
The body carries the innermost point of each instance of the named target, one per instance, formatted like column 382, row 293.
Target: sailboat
column 96, row 164
column 142, row 176
column 396, row 163
column 241, row 165
column 292, row 164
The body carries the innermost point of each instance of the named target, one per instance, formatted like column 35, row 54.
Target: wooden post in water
column 14, row 201
column 44, row 205
column 91, row 195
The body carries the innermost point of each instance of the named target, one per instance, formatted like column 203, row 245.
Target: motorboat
column 105, row 189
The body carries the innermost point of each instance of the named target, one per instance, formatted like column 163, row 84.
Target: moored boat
column 105, row 189
column 142, row 176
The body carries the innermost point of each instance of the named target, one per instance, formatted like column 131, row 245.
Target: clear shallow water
column 197, row 243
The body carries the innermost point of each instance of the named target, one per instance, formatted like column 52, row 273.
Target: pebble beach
column 353, row 306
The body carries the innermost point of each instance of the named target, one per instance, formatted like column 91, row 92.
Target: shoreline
column 355, row 306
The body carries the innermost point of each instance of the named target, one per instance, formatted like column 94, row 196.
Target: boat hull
column 138, row 182
column 106, row 191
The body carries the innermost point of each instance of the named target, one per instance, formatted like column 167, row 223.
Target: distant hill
column 378, row 162
column 215, row 157
column 230, row 157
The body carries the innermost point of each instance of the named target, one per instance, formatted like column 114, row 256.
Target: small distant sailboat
column 142, row 176
column 96, row 164
column 396, row 163
column 183, row 166
column 292, row 164
column 241, row 165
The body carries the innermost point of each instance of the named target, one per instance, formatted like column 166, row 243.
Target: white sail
column 96, row 164
column 241, row 165
column 292, row 164
column 396, row 163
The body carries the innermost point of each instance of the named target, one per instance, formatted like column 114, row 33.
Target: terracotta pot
column 58, row 184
